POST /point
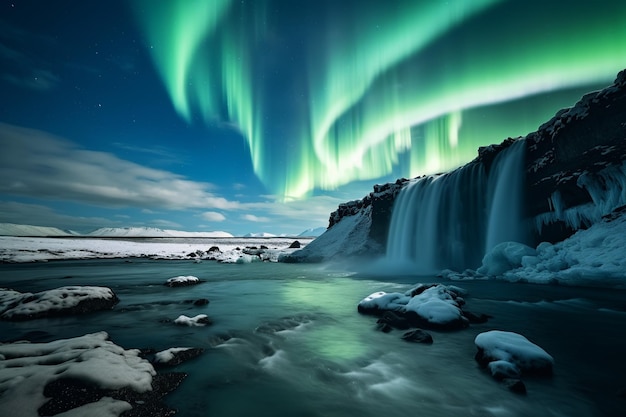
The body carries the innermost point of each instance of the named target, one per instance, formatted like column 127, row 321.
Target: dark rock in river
column 383, row 327
column 418, row 336
column 394, row 320
column 476, row 318
column 515, row 385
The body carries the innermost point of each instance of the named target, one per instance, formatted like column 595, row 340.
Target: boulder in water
column 418, row 336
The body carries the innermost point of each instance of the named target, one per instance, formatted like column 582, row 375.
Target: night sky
column 249, row 115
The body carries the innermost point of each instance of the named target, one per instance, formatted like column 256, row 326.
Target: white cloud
column 38, row 215
column 213, row 216
column 37, row 164
column 254, row 218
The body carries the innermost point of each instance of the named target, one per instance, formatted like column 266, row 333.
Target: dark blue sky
column 250, row 116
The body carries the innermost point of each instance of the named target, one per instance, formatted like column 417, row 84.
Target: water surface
column 287, row 340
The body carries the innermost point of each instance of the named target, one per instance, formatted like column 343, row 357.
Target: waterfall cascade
column 452, row 220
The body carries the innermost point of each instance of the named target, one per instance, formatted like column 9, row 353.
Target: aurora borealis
column 326, row 93
column 264, row 115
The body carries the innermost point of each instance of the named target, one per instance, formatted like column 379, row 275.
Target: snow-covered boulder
column 60, row 301
column 433, row 306
column 176, row 356
column 199, row 320
column 182, row 281
column 508, row 353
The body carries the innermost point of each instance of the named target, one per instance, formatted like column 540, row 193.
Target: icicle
column 607, row 189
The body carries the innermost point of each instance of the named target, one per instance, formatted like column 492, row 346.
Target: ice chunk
column 504, row 257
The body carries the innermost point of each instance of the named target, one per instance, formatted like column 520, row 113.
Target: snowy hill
column 151, row 232
column 10, row 229
column 313, row 232
column 262, row 234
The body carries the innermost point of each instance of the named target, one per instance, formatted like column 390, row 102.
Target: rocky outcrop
column 573, row 164
column 380, row 200
column 573, row 153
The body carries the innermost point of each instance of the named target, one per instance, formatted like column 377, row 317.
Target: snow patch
column 182, row 280
column 515, row 350
column 16, row 305
column 348, row 237
column 196, row 321
column 437, row 305
column 167, row 355
column 27, row 368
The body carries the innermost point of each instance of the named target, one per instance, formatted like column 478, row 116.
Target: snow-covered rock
column 60, row 301
column 196, row 321
column 175, row 356
column 434, row 306
column 511, row 353
column 182, row 281
column 27, row 368
column 346, row 238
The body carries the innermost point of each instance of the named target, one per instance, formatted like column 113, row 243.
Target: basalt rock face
column 577, row 147
column 381, row 202
column 572, row 156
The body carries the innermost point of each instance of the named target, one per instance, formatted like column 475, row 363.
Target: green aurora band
column 327, row 93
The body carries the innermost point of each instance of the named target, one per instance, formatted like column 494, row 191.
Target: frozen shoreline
column 43, row 249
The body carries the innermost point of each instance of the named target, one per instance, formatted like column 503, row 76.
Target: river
column 287, row 340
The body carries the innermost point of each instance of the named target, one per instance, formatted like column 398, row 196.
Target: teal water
column 287, row 340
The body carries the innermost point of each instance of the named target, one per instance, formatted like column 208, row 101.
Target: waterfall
column 452, row 220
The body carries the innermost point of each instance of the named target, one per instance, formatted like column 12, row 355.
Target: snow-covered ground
column 38, row 249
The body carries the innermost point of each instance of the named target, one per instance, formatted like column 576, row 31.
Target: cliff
column 574, row 169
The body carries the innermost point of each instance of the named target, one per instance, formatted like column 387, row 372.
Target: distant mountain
column 313, row 232
column 10, row 229
column 263, row 234
column 151, row 232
